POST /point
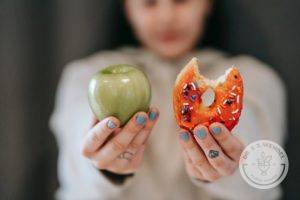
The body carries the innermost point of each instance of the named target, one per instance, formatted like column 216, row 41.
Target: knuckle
column 188, row 160
column 134, row 128
column 148, row 127
column 223, row 138
column 231, row 149
column 84, row 151
column 209, row 144
column 134, row 145
column 190, row 146
column 96, row 133
column 199, row 162
column 95, row 137
column 100, row 165
column 219, row 163
column 118, row 146
column 213, row 177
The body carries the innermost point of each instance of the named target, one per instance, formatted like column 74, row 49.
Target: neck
column 169, row 59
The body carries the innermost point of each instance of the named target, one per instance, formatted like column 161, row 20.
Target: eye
column 150, row 3
column 179, row 1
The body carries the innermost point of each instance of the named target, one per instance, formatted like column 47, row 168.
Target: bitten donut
column 190, row 97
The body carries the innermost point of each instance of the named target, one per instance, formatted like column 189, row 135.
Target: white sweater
column 162, row 175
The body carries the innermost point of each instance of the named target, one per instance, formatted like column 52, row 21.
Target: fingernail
column 216, row 130
column 110, row 124
column 152, row 115
column 184, row 136
column 201, row 133
column 140, row 119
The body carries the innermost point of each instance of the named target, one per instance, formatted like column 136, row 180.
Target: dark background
column 37, row 38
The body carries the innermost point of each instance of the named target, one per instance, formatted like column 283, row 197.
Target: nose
column 166, row 13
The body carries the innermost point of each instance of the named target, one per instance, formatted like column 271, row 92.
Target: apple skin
column 119, row 91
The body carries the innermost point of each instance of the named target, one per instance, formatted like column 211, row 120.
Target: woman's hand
column 210, row 153
column 115, row 149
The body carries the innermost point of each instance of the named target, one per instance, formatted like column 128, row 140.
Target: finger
column 125, row 165
column 120, row 142
column 214, row 154
column 93, row 121
column 143, row 135
column 190, row 168
column 137, row 158
column 230, row 144
column 97, row 135
column 198, row 158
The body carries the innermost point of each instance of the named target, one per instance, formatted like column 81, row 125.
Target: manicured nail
column 110, row 124
column 152, row 115
column 201, row 133
column 140, row 119
column 184, row 136
column 216, row 130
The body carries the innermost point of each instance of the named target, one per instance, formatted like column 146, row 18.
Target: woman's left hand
column 210, row 153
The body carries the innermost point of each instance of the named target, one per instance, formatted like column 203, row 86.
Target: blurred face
column 170, row 28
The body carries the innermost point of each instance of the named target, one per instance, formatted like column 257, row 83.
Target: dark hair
column 125, row 35
column 121, row 26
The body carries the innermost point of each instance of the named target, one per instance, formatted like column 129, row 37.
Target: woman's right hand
column 115, row 149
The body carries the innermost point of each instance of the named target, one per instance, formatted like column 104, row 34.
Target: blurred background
column 38, row 37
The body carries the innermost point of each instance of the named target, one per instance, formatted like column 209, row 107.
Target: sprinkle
column 235, row 111
column 233, row 87
column 238, row 99
column 185, row 86
column 194, row 85
column 219, row 110
column 232, row 93
column 232, row 119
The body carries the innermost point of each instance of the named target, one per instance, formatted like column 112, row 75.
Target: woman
column 149, row 158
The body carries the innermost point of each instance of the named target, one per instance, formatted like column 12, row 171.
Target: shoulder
column 258, row 74
column 96, row 61
column 254, row 71
column 252, row 66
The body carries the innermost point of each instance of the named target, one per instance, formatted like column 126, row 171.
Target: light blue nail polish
column 152, row 115
column 184, row 136
column 110, row 124
column 140, row 119
column 216, row 130
column 201, row 133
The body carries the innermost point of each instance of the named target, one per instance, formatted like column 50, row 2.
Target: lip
column 169, row 37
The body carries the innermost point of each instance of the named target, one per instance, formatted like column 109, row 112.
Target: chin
column 173, row 53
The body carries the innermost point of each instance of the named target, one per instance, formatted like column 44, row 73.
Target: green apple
column 120, row 91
